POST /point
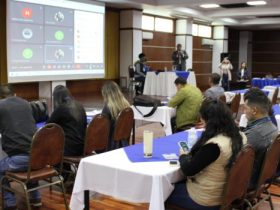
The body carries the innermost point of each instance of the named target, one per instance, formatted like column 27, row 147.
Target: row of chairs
column 47, row 149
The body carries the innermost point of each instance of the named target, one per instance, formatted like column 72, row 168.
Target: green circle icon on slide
column 59, row 35
column 27, row 53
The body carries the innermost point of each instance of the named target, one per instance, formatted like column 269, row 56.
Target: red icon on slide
column 26, row 13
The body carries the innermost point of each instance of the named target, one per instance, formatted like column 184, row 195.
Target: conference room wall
column 159, row 50
column 202, row 62
column 266, row 53
column 233, row 49
column 30, row 91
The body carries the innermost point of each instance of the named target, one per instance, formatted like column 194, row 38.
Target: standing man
column 140, row 73
column 17, row 127
column 179, row 58
column 187, row 102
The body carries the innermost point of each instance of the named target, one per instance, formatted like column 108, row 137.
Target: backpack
column 146, row 101
column 39, row 110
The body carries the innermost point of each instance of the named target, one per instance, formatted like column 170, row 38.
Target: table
column 112, row 174
column 162, row 84
column 163, row 114
column 261, row 82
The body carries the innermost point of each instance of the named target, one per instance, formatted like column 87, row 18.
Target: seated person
column 215, row 91
column 207, row 165
column 260, row 130
column 242, row 73
column 115, row 102
column 17, row 127
column 140, row 73
column 71, row 116
column 187, row 102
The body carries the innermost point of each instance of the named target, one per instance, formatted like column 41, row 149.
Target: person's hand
column 182, row 152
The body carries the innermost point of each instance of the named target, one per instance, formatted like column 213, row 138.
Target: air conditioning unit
column 147, row 35
column 209, row 42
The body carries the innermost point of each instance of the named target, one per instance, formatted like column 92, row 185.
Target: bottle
column 192, row 137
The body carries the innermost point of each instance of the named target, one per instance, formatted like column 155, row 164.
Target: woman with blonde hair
column 114, row 103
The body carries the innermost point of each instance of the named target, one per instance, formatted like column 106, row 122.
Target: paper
column 171, row 156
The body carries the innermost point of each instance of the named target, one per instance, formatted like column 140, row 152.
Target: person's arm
column 57, row 115
column 177, row 99
column 207, row 154
column 185, row 55
column 208, row 94
column 138, row 70
column 174, row 56
column 230, row 66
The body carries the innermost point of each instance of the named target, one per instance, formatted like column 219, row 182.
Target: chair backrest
column 269, row 165
column 131, row 71
column 275, row 95
column 223, row 98
column 239, row 177
column 47, row 147
column 124, row 125
column 97, row 135
column 234, row 106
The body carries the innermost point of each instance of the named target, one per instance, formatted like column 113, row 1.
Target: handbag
column 39, row 110
column 146, row 101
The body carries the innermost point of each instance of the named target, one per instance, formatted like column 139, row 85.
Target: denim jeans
column 16, row 163
column 182, row 199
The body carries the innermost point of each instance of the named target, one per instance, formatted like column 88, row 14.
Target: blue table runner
column 163, row 145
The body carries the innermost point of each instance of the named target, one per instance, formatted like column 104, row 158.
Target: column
column 245, row 49
column 185, row 38
column 220, row 37
column 130, row 41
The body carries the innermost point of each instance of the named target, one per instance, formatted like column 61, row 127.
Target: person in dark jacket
column 17, row 127
column 140, row 72
column 71, row 116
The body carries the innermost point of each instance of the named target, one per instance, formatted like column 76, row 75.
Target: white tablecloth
column 163, row 115
column 230, row 95
column 112, row 174
column 162, row 84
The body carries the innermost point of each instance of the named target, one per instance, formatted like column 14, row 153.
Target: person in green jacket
column 187, row 102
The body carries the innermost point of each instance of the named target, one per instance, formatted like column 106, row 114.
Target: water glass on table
column 148, row 143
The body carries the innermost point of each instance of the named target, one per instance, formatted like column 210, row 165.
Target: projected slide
column 54, row 40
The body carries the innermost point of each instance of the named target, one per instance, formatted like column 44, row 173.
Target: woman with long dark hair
column 71, row 116
column 207, row 164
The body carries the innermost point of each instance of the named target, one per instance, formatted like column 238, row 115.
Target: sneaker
column 35, row 202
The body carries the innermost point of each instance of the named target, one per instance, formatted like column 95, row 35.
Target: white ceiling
column 246, row 18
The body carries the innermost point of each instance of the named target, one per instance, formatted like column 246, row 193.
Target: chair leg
column 2, row 192
column 270, row 203
column 63, row 191
column 24, row 187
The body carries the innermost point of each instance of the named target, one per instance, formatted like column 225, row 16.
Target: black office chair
column 132, row 82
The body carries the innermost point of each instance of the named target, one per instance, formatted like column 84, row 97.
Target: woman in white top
column 225, row 68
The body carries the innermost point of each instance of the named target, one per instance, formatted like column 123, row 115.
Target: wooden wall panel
column 3, row 44
column 202, row 63
column 159, row 50
column 266, row 53
column 28, row 91
column 233, row 49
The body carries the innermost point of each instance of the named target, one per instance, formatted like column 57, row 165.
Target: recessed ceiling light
column 256, row 3
column 209, row 6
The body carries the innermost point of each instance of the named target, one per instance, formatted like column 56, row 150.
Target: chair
column 275, row 96
column 223, row 98
column 97, row 137
column 132, row 81
column 267, row 173
column 43, row 158
column 238, row 178
column 123, row 127
column 234, row 106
